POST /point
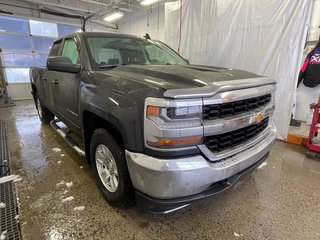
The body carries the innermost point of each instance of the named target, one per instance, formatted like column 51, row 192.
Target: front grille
column 231, row 139
column 223, row 110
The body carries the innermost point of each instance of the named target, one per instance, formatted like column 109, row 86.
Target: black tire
column 45, row 115
column 123, row 195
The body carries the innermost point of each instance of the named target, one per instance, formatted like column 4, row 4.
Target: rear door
column 67, row 87
column 48, row 95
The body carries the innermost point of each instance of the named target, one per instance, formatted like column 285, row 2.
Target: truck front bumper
column 165, row 185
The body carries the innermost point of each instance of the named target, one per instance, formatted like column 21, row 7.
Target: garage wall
column 19, row 89
column 22, row 90
column 142, row 21
column 29, row 10
column 26, row 43
column 23, row 9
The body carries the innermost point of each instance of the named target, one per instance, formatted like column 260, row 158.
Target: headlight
column 172, row 124
column 184, row 112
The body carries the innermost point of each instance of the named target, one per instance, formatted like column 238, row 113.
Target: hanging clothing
column 310, row 71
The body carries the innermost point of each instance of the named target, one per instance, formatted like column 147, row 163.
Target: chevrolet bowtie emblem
column 258, row 118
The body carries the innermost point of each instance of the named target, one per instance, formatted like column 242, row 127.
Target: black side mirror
column 187, row 60
column 62, row 64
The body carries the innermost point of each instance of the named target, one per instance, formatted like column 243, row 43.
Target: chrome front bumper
column 181, row 177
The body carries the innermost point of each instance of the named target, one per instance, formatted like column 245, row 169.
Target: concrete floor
column 279, row 201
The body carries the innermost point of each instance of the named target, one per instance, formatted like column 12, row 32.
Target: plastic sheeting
column 264, row 37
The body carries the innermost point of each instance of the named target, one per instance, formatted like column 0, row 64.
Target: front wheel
column 45, row 115
column 110, row 169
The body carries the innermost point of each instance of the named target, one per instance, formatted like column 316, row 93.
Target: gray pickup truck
column 154, row 128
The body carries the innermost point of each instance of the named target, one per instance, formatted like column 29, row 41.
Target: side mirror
column 187, row 60
column 62, row 64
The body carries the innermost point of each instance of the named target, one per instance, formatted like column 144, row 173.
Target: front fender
column 119, row 101
column 125, row 119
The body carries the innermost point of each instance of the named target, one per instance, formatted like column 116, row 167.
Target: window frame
column 53, row 40
column 5, row 65
column 16, row 82
column 33, row 22
column 68, row 25
column 27, row 37
column 15, row 32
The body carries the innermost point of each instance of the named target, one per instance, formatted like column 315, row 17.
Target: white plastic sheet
column 264, row 37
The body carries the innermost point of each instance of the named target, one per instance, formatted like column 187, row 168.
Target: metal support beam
column 41, row 2
column 95, row 2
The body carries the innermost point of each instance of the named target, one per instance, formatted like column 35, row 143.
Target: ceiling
column 78, row 9
column 87, row 7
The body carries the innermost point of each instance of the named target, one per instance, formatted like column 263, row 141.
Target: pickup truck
column 155, row 128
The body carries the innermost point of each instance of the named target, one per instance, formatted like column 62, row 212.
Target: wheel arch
column 91, row 122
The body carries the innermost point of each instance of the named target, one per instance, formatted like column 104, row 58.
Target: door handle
column 55, row 81
column 44, row 78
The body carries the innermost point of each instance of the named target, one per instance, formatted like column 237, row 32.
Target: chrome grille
column 231, row 139
column 223, row 110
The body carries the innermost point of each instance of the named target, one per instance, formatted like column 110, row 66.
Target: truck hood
column 178, row 76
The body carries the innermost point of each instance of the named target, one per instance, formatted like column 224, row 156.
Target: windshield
column 109, row 51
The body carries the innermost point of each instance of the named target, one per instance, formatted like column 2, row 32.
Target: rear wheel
column 110, row 169
column 45, row 115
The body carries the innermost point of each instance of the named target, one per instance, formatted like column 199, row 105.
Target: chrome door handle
column 55, row 81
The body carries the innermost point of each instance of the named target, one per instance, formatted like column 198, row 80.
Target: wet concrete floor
column 279, row 201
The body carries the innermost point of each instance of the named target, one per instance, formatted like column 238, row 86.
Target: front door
column 47, row 77
column 66, row 88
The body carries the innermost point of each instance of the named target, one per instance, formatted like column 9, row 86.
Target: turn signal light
column 153, row 111
column 171, row 143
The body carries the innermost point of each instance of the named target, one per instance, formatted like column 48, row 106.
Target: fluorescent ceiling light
column 148, row 2
column 113, row 16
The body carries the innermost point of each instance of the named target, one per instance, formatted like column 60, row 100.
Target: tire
column 110, row 169
column 45, row 115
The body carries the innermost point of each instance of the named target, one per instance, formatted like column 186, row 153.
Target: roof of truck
column 98, row 34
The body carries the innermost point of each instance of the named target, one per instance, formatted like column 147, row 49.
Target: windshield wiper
column 110, row 65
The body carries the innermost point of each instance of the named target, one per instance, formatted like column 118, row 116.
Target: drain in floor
column 9, row 219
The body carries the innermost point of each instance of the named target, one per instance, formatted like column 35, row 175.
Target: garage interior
column 53, row 193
